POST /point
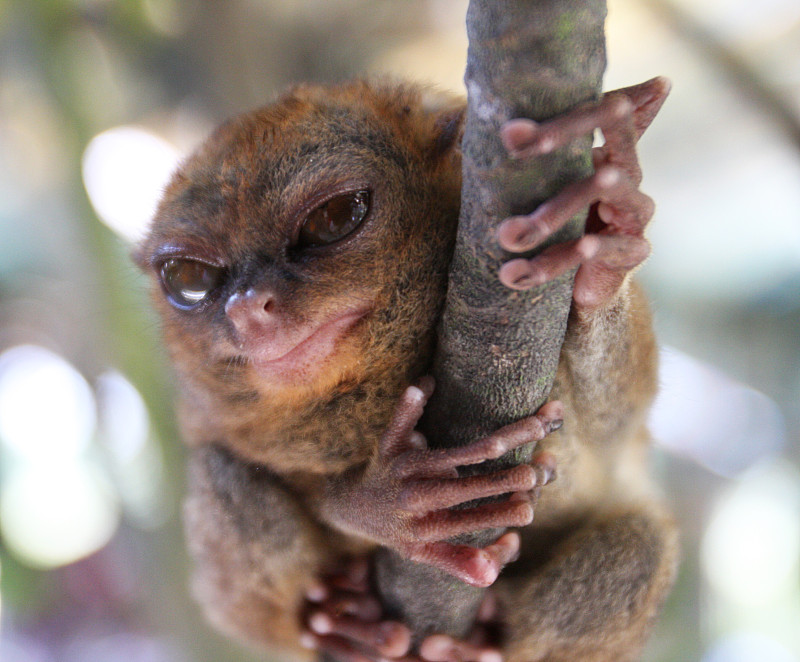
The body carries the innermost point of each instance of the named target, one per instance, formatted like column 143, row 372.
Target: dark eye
column 188, row 282
column 335, row 219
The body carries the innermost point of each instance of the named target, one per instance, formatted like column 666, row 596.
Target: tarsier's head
column 306, row 243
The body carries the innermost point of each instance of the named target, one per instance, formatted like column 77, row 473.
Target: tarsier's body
column 302, row 254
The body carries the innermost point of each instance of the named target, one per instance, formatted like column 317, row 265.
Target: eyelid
column 180, row 252
column 297, row 249
column 325, row 195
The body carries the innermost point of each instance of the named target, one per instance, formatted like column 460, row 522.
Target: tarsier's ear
column 449, row 128
column 446, row 115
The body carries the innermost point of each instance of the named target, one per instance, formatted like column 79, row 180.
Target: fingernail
column 415, row 393
column 517, row 148
column 527, row 238
column 544, row 145
column 522, row 277
column 522, row 238
column 555, row 425
column 316, row 592
column 523, row 281
column 320, row 623
column 437, row 645
column 547, row 465
column 608, row 176
column 308, row 641
column 417, row 440
column 516, row 550
column 517, row 274
column 511, row 541
column 588, row 246
column 358, row 572
column 517, row 135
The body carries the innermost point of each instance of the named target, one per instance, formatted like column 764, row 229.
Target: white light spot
column 124, row 421
column 47, row 410
column 751, row 549
column 93, row 646
column 748, row 647
column 718, row 422
column 136, row 462
column 125, row 170
column 52, row 515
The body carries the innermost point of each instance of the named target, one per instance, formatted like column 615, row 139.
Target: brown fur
column 235, row 198
column 599, row 558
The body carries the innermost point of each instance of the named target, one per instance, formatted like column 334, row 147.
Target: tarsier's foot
column 404, row 499
column 614, row 242
column 344, row 620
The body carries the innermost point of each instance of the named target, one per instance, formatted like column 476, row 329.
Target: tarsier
column 300, row 262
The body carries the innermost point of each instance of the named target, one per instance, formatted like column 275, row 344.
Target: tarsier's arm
column 255, row 550
column 598, row 561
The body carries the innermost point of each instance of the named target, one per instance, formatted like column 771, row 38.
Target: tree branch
column 498, row 349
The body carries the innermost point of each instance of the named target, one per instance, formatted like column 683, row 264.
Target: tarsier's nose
column 253, row 311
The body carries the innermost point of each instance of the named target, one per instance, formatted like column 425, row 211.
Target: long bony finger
column 398, row 436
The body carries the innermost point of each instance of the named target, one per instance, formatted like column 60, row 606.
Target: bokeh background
column 100, row 98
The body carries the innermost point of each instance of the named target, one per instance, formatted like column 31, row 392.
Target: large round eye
column 337, row 218
column 188, row 282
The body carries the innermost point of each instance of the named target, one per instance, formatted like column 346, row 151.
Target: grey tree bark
column 498, row 349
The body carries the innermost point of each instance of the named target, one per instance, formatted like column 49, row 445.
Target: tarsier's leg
column 344, row 621
column 609, row 346
column 596, row 599
column 594, row 592
column 555, row 618
column 254, row 549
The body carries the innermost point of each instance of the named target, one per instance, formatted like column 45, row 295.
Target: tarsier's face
column 287, row 246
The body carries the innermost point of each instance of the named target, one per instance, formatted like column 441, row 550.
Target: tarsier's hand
column 344, row 621
column 614, row 242
column 402, row 500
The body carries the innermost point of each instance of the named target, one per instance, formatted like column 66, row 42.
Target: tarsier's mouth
column 306, row 356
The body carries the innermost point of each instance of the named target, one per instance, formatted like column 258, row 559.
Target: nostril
column 252, row 307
